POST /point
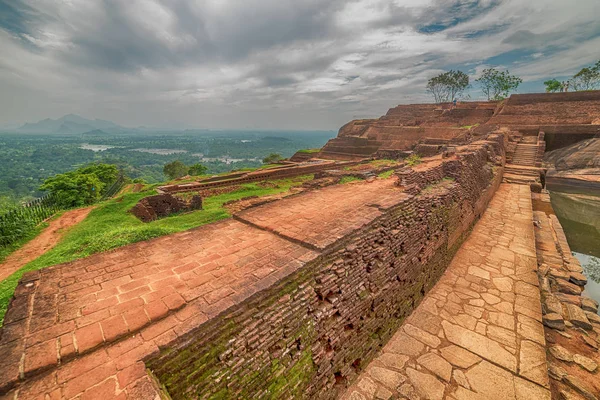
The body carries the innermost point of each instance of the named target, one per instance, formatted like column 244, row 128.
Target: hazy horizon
column 270, row 64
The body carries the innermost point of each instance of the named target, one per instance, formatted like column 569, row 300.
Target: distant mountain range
column 69, row 124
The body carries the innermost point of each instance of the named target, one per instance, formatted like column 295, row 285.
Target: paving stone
column 367, row 386
column 459, row 357
column 532, row 363
column 408, row 391
column 426, row 385
column 386, row 377
column 393, row 361
column 437, row 365
column 503, row 284
column 401, row 343
column 526, row 390
column 491, row 381
column 356, row 395
column 480, row 345
column 383, row 394
column 422, row 336
column 585, row 363
column 460, row 378
column 504, row 320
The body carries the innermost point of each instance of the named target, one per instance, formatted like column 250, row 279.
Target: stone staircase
column 521, row 165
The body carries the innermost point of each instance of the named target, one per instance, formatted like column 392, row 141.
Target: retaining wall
column 311, row 333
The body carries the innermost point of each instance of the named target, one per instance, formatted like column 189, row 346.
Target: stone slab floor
column 477, row 335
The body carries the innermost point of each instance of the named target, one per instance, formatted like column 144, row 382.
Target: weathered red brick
column 159, row 327
column 88, row 379
column 126, row 306
column 40, row 356
column 99, row 305
column 218, row 294
column 156, row 310
column 114, row 327
column 131, row 374
column 82, row 365
column 92, row 318
column 88, row 337
column 105, row 390
column 136, row 318
column 134, row 284
column 174, row 301
column 133, row 294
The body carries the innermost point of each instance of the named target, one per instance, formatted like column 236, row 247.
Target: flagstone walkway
column 478, row 334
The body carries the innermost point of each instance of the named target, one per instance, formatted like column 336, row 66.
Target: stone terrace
column 478, row 333
column 317, row 223
column 83, row 328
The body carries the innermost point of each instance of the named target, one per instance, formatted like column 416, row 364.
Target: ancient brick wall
column 310, row 334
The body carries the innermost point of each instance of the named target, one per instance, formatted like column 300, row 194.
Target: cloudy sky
column 288, row 64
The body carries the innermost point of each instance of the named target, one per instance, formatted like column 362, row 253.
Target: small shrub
column 413, row 159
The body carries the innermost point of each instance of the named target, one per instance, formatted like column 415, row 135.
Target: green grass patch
column 469, row 126
column 348, row 179
column 386, row 174
column 110, row 225
column 8, row 250
column 412, row 160
column 383, row 163
column 311, row 151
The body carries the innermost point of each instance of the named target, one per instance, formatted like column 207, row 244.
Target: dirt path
column 43, row 242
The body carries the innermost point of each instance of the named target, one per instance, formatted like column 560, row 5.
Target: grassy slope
column 8, row 250
column 110, row 226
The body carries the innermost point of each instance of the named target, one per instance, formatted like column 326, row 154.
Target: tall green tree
column 175, row 169
column 552, row 86
column 83, row 186
column 496, row 84
column 197, row 169
column 448, row 85
column 587, row 79
column 74, row 189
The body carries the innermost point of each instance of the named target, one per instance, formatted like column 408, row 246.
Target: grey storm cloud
column 270, row 63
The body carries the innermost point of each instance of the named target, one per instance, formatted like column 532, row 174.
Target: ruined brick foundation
column 309, row 335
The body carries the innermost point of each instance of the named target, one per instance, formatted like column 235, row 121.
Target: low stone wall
column 162, row 205
column 310, row 334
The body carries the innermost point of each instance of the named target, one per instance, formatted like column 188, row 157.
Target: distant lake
column 162, row 152
column 96, row 147
column 224, row 159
